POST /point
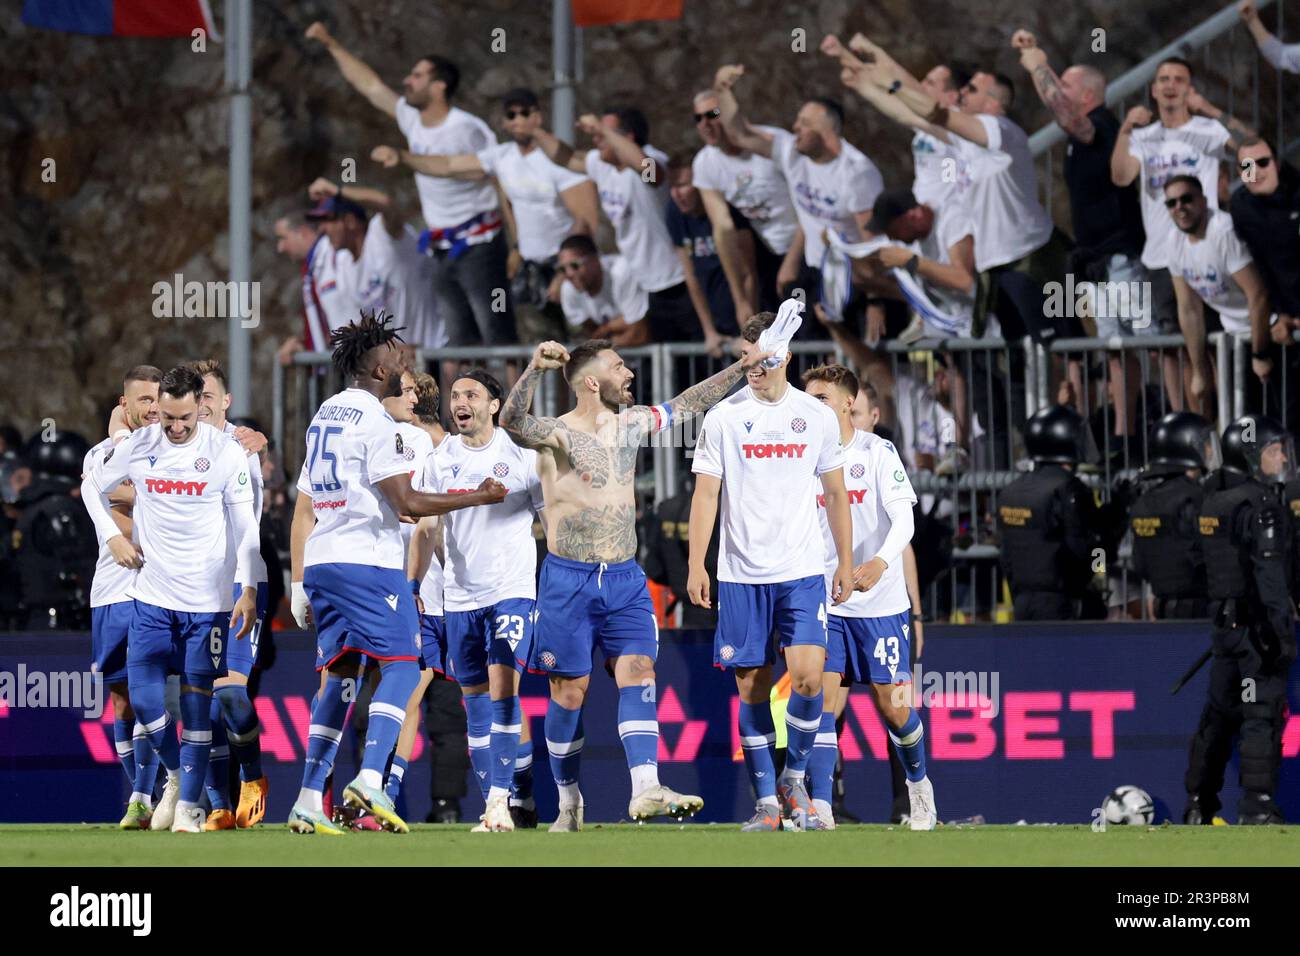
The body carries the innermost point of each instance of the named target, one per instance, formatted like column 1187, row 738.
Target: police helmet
column 1182, row 440
column 1056, row 435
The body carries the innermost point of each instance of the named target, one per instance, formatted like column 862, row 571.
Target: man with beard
column 547, row 202
column 464, row 232
column 592, row 592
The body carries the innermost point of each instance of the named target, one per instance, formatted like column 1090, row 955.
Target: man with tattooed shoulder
column 592, row 593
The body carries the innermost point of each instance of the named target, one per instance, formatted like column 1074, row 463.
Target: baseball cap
column 332, row 207
column 890, row 204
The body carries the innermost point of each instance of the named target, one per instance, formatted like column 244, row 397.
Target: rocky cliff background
column 138, row 132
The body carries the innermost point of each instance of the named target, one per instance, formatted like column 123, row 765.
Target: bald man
column 1107, row 218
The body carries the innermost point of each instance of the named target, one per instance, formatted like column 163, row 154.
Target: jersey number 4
column 319, row 455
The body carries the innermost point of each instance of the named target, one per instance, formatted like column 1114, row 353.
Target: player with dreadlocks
column 349, row 566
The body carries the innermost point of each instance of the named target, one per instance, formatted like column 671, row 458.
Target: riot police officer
column 1246, row 542
column 1165, row 517
column 1047, row 520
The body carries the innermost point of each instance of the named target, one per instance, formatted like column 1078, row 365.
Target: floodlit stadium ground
column 660, row 845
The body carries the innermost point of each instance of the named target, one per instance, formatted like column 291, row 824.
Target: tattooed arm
column 698, row 398
column 1066, row 112
column 525, row 428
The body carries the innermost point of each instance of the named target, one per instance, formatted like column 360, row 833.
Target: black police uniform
column 1246, row 543
column 1046, row 520
column 1291, row 502
column 1167, row 545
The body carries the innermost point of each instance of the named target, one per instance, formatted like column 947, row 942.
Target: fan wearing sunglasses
column 1210, row 265
column 544, row 203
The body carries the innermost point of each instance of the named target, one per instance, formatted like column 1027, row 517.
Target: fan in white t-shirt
column 463, row 218
column 600, row 296
column 754, row 186
column 1179, row 143
column 631, row 178
column 547, row 201
column 832, row 183
column 1210, row 265
column 387, row 272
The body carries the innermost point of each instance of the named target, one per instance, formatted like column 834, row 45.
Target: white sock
column 313, row 800
column 770, row 803
column 644, row 776
column 372, row 779
column 496, row 792
column 570, row 795
column 174, row 777
column 823, row 809
column 145, row 798
column 788, row 774
column 185, row 806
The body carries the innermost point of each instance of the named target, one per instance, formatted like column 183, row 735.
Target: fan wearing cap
column 1046, row 522
column 1165, row 517
column 389, row 273
column 1246, row 538
column 546, row 203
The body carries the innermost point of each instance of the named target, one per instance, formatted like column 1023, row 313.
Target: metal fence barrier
column 955, row 408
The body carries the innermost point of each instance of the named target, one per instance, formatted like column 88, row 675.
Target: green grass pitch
column 659, row 845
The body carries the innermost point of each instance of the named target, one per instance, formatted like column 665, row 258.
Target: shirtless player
column 592, row 592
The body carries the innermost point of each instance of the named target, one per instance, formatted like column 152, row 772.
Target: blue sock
column 148, row 684
column 521, row 786
column 638, row 727
column 478, row 728
column 564, row 740
column 122, row 740
column 196, row 736
column 218, row 779
column 821, row 765
column 803, row 719
column 146, row 766
column 240, row 718
column 397, row 682
column 758, row 742
column 396, row 773
column 909, row 744
column 503, row 746
column 328, row 715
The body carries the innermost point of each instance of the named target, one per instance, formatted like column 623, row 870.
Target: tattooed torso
column 588, row 486
column 588, row 464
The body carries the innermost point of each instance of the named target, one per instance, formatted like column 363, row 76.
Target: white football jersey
column 352, row 445
column 111, row 581
column 770, row 457
column 490, row 551
column 181, row 494
column 255, row 474
column 416, row 446
column 874, row 477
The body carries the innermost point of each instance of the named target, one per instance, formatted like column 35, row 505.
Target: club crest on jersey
column 857, row 471
column 749, row 426
column 798, row 425
column 727, row 652
column 547, row 659
column 400, row 447
column 202, row 464
column 501, row 469
column 408, row 453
